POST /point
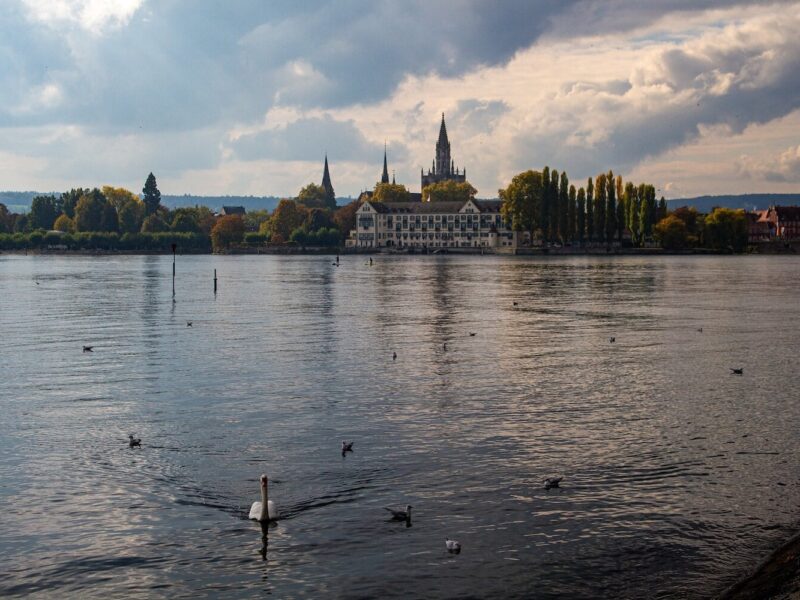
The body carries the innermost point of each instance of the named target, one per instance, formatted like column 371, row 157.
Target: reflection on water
column 677, row 475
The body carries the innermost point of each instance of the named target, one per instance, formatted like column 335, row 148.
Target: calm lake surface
column 678, row 475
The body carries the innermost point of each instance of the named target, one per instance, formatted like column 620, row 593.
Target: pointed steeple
column 442, row 134
column 326, row 183
column 393, row 183
column 442, row 164
column 385, row 175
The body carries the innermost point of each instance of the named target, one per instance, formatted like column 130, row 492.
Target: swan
column 400, row 515
column 739, row 371
column 347, row 446
column 452, row 545
column 264, row 510
column 88, row 348
column 552, row 482
column 133, row 442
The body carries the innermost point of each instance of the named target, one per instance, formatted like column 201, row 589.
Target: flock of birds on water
column 265, row 511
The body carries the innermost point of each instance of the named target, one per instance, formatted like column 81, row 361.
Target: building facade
column 785, row 221
column 475, row 224
column 443, row 166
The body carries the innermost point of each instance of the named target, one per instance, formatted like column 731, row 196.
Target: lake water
column 678, row 476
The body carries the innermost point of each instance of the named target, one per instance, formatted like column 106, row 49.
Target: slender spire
column 326, row 181
column 442, row 134
column 393, row 183
column 385, row 175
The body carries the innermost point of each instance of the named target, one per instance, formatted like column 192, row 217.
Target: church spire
column 443, row 141
column 326, row 182
column 385, row 175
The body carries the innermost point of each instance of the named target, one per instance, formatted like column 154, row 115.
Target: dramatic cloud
column 784, row 167
column 213, row 97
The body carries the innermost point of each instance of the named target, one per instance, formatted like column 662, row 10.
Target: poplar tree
column 611, row 207
column 544, row 205
column 600, row 207
column 555, row 213
column 589, row 210
column 621, row 210
column 571, row 221
column 563, row 208
column 580, row 216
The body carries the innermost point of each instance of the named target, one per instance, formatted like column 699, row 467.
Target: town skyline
column 697, row 100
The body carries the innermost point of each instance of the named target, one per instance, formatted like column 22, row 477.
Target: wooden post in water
column 174, row 247
column 215, row 281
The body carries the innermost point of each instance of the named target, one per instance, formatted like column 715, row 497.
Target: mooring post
column 215, row 281
column 174, row 247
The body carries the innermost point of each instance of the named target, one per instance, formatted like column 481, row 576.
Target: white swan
column 264, row 510
column 452, row 545
column 400, row 515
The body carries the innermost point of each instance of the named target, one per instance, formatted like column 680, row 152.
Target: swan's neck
column 264, row 502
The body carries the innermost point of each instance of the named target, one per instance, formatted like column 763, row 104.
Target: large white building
column 432, row 225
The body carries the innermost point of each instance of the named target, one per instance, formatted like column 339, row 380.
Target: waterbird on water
column 88, row 348
column 612, row 340
column 472, row 334
column 453, row 546
column 552, row 482
column 400, row 515
column 265, row 510
column 394, row 355
column 515, row 303
column 133, row 442
column 444, row 346
column 347, row 446
column 739, row 371
column 700, row 329
column 188, row 323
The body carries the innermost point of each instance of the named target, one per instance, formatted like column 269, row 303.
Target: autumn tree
column 287, row 217
column 228, row 230
column 671, row 233
column 448, row 191
column 544, row 205
column 611, row 207
column 345, row 217
column 130, row 215
column 726, row 229
column 522, row 201
column 154, row 223
column 150, row 195
column 600, row 199
column 390, row 192
column 621, row 209
column 64, row 223
column 315, row 196
column 69, row 200
column 90, row 211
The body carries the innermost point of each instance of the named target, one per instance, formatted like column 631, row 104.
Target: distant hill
column 705, row 204
column 20, row 202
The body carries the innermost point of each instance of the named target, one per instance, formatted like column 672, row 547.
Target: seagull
column 552, row 482
column 472, row 334
column 88, row 348
column 347, row 446
column 400, row 515
column 612, row 339
column 453, row 546
column 394, row 355
column 739, row 371
column 188, row 323
column 515, row 303
column 133, row 442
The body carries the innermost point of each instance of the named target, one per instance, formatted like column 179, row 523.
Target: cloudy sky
column 245, row 97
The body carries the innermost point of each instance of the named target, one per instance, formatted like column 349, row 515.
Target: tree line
column 111, row 218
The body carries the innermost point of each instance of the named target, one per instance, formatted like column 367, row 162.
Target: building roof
column 233, row 210
column 787, row 213
column 432, row 208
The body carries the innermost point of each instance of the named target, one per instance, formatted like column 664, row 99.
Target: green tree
column 671, row 233
column 90, row 210
column 580, row 216
column 563, row 208
column 611, row 207
column 252, row 219
column 662, row 208
column 184, row 221
column 69, row 200
column 119, row 197
column 228, row 230
column 130, row 216
column 6, row 224
column 345, row 218
column 154, row 223
column 571, row 215
column 448, row 191
column 44, row 211
column 108, row 221
column 390, row 192
column 315, row 196
column 316, row 219
column 544, row 208
column 726, row 229
column 590, row 233
column 555, row 212
column 622, row 209
column 150, row 195
column 600, row 207
column 522, row 201
column 632, row 213
column 64, row 223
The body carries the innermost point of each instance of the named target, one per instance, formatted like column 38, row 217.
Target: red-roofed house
column 785, row 221
column 758, row 226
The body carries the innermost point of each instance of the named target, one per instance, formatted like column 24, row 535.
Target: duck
column 700, row 330
column 394, row 355
column 347, row 446
column 400, row 515
column 739, row 371
column 612, row 339
column 453, row 546
column 514, row 303
column 188, row 323
column 133, row 442
column 265, row 510
column 88, row 348
column 552, row 482
column 472, row 334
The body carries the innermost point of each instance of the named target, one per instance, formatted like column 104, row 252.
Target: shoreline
column 777, row 576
